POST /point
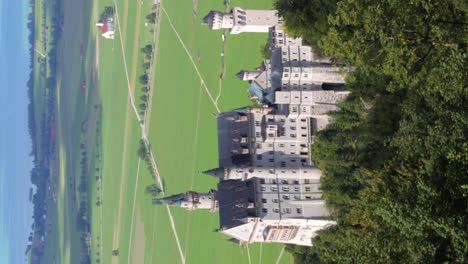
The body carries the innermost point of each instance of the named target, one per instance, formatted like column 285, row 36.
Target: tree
column 306, row 18
column 152, row 190
column 147, row 50
column 151, row 18
column 115, row 252
column 393, row 173
column 143, row 79
column 146, row 65
column 108, row 12
column 142, row 151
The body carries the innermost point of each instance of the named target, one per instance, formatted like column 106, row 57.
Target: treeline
column 42, row 137
column 83, row 217
column 144, row 152
column 395, row 160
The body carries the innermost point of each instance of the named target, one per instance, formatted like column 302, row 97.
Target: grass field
column 181, row 129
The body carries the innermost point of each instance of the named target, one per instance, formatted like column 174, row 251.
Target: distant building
column 269, row 189
column 107, row 28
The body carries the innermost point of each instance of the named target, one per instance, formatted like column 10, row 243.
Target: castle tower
column 191, row 200
column 240, row 20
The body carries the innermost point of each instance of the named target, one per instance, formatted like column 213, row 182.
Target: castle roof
column 104, row 28
column 234, row 197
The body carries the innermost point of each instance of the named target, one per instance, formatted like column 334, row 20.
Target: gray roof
column 234, row 197
column 228, row 130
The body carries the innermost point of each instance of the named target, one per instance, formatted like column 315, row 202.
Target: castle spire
column 191, row 200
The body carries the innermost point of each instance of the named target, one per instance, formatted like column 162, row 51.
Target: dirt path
column 154, row 61
column 96, row 57
column 133, row 211
column 130, row 105
column 138, row 248
column 194, row 172
column 280, row 255
column 123, row 184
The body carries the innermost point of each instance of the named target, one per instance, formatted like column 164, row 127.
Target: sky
column 15, row 143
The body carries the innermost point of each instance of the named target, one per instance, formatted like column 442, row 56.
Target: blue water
column 15, row 144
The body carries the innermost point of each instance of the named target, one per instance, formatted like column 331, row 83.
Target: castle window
column 274, row 188
column 306, row 181
column 276, row 210
column 297, row 189
column 259, row 157
column 297, row 197
column 307, row 189
column 273, row 181
column 264, row 210
column 286, row 197
column 287, row 210
column 262, row 181
column 262, row 188
column 271, row 160
column 275, row 200
column 299, row 210
column 285, row 189
column 284, row 181
column 308, row 197
column 264, row 200
column 296, row 182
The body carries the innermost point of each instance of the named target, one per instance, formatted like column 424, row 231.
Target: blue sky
column 15, row 144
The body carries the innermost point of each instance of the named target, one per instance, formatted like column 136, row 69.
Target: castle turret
column 216, row 20
column 191, row 200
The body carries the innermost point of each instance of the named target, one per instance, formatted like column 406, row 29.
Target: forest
column 395, row 160
column 42, row 137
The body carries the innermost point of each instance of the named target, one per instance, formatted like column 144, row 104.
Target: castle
column 269, row 189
